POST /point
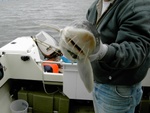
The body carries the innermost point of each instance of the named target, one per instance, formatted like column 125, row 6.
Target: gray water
column 24, row 17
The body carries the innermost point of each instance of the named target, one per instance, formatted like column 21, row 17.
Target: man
column 123, row 57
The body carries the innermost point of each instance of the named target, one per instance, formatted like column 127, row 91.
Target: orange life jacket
column 54, row 67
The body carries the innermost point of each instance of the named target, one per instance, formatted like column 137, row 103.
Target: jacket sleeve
column 132, row 45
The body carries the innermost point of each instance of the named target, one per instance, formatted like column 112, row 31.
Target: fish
column 77, row 43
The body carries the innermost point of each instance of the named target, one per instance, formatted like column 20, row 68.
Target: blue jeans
column 116, row 99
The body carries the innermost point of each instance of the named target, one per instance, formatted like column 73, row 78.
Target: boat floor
column 23, row 89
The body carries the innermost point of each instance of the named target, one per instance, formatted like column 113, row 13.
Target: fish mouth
column 76, row 46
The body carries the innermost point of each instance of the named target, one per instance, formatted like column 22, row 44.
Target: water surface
column 23, row 17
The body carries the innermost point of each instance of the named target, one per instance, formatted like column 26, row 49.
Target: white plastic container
column 73, row 86
column 19, row 106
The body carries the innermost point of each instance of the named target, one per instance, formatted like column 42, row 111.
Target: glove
column 100, row 49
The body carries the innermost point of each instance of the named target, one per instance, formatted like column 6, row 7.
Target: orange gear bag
column 54, row 67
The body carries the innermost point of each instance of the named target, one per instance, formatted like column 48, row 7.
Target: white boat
column 20, row 60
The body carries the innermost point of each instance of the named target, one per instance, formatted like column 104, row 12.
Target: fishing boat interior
column 22, row 76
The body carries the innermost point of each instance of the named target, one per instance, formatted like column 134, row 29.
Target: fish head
column 76, row 43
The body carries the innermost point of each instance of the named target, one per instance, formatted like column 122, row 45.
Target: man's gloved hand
column 100, row 53
column 101, row 48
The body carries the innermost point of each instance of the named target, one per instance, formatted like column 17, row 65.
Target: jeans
column 116, row 99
